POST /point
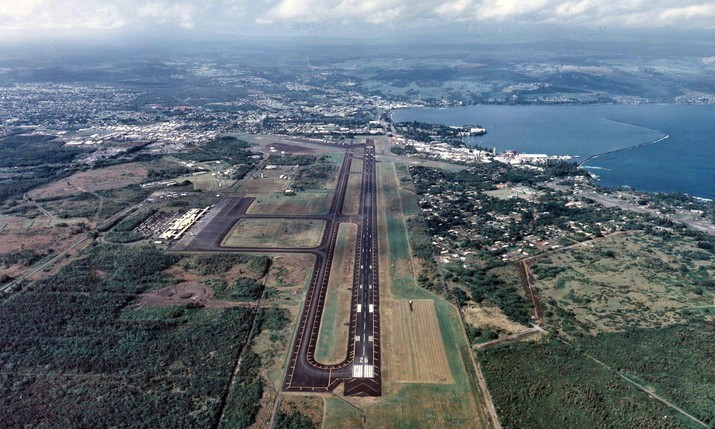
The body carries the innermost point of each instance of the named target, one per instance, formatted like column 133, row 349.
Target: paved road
column 361, row 368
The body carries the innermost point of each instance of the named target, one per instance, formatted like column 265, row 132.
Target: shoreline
column 701, row 189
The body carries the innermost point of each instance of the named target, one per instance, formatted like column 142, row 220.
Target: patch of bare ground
column 491, row 317
column 114, row 177
column 18, row 233
column 182, row 294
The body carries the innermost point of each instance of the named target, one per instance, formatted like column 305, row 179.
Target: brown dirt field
column 183, row 293
column 414, row 347
column 13, row 270
column 334, row 327
column 19, row 233
column 114, row 177
column 351, row 204
column 483, row 316
column 268, row 233
column 22, row 234
column 257, row 186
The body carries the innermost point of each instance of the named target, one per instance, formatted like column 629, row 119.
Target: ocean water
column 682, row 162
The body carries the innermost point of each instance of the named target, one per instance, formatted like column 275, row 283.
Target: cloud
column 181, row 14
column 279, row 16
column 689, row 12
column 509, row 8
column 341, row 11
column 32, row 15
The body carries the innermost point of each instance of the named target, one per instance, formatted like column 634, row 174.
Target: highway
column 360, row 370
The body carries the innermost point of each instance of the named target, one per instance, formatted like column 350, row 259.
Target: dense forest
column 33, row 161
column 74, row 353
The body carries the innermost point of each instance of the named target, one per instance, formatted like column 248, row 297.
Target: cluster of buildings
column 461, row 220
column 115, row 113
column 180, row 225
column 449, row 152
column 171, row 135
column 513, row 157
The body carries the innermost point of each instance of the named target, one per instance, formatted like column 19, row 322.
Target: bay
column 682, row 162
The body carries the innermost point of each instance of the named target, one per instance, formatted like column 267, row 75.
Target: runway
column 361, row 369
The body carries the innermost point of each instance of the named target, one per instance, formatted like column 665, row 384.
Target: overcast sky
column 93, row 18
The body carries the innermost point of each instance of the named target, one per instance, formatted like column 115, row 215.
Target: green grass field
column 268, row 233
column 303, row 203
column 351, row 204
column 333, row 337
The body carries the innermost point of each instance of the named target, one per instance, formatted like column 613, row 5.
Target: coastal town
column 448, row 143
